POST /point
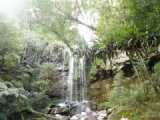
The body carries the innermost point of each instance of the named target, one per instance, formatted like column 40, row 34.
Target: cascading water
column 70, row 77
column 83, row 79
column 75, row 105
column 77, row 86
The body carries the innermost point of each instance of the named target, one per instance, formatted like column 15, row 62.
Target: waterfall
column 70, row 77
column 83, row 79
column 77, row 86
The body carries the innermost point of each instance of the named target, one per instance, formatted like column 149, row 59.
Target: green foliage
column 124, row 20
column 153, row 112
column 121, row 23
column 11, row 60
column 10, row 38
column 40, row 85
column 40, row 102
column 156, row 79
column 132, row 97
column 47, row 71
column 24, row 86
column 157, row 68
column 148, row 112
column 54, row 20
column 132, row 26
column 11, row 45
column 44, row 77
column 12, row 100
column 93, row 69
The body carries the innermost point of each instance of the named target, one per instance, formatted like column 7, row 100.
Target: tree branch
column 70, row 17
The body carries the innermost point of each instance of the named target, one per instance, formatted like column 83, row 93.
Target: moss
column 125, row 112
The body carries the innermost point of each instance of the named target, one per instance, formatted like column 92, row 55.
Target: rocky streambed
column 77, row 111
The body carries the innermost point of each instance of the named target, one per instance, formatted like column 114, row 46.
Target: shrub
column 47, row 71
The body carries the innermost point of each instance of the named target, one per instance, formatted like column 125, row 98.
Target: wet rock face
column 99, row 91
column 84, row 116
column 60, row 117
column 127, row 69
column 76, row 111
column 68, row 108
column 61, row 109
column 102, row 74
column 153, row 60
column 90, row 115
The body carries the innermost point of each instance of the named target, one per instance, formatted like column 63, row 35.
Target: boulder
column 61, row 117
column 59, row 109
